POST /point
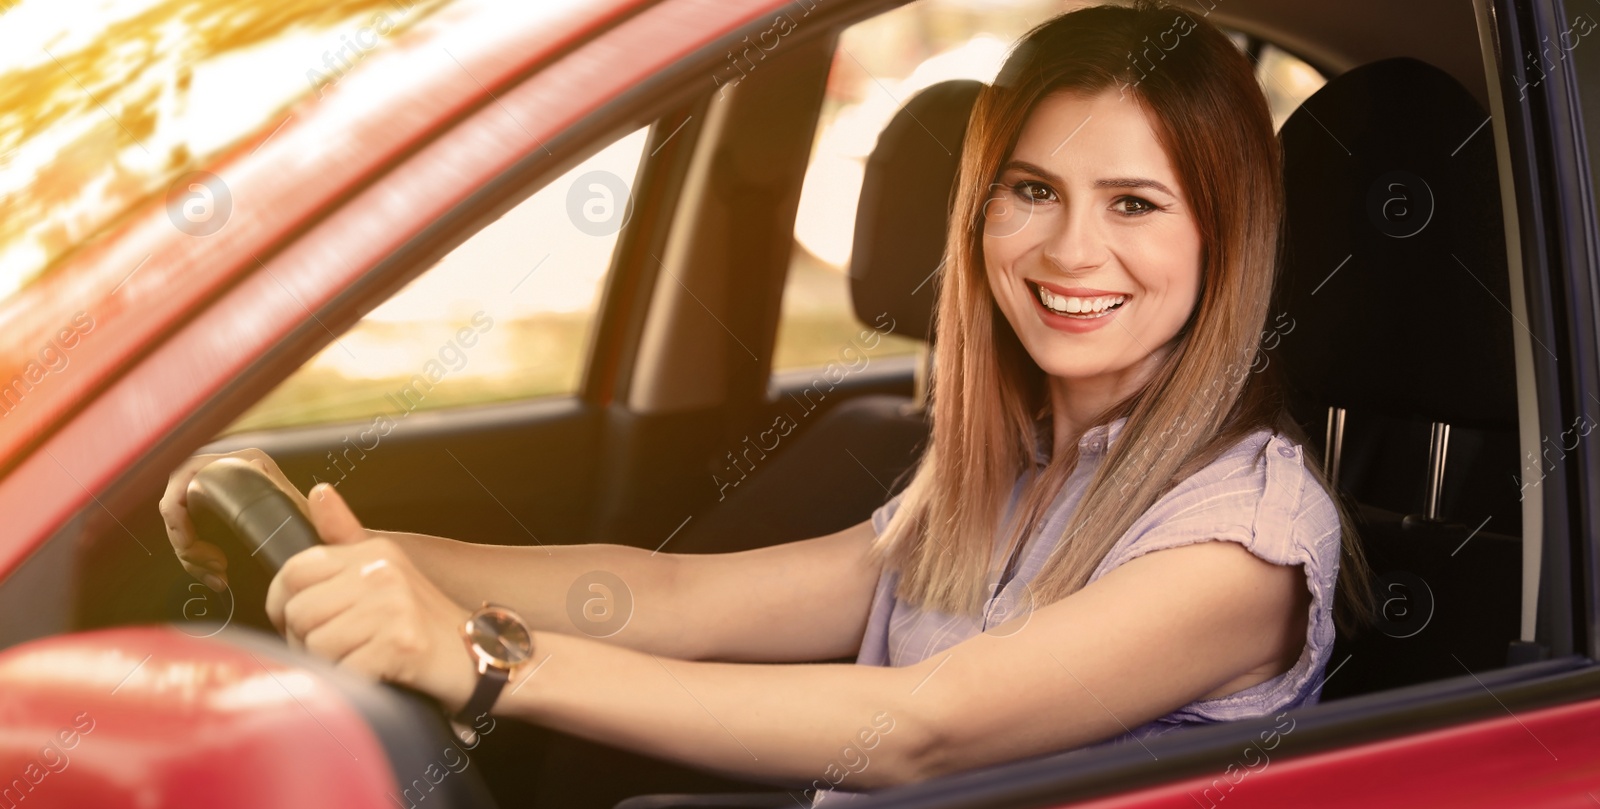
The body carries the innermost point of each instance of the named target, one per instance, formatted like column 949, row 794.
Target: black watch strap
column 490, row 683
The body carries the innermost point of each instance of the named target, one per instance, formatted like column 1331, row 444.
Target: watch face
column 501, row 635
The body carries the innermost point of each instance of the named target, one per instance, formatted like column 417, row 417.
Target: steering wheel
column 235, row 506
column 234, row 503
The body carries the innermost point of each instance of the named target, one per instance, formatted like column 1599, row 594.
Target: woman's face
column 1091, row 249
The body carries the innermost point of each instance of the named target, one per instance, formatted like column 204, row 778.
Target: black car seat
column 1395, row 336
column 844, row 465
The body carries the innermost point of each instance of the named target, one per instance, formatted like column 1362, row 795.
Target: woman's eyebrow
column 1023, row 165
column 1109, row 182
column 1133, row 182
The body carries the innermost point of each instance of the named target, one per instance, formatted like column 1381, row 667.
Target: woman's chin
column 1078, row 371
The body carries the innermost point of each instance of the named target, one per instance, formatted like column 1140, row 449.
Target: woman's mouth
column 1076, row 307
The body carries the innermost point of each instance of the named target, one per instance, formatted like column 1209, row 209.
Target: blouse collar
column 1094, row 442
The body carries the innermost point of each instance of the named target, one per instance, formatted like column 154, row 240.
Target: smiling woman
column 1111, row 252
column 1111, row 536
column 1158, row 209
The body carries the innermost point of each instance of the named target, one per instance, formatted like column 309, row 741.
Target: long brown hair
column 988, row 395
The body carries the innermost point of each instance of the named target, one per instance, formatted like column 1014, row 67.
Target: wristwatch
column 498, row 641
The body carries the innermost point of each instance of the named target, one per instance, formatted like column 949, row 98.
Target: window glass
column 506, row 315
column 1287, row 81
column 879, row 64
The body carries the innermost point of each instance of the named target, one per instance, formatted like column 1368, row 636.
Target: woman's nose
column 1074, row 243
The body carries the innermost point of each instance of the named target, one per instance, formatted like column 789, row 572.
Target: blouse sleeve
column 1260, row 495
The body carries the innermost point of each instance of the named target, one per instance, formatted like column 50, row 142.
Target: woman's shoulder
column 1259, row 492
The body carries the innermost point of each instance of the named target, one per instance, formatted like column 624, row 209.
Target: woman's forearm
column 791, row 602
column 623, row 594
column 805, row 726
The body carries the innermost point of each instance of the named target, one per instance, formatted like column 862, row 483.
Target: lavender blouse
column 1258, row 494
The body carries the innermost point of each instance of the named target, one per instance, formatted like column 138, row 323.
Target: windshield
column 104, row 103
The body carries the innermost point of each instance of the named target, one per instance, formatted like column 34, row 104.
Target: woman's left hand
column 359, row 601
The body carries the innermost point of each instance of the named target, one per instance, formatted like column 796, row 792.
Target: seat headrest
column 1395, row 271
column 904, row 207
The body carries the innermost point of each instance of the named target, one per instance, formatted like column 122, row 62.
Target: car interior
column 1393, row 327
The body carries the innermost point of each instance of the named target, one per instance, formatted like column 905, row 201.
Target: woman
column 1115, row 531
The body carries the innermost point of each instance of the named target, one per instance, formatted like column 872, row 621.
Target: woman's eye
column 1133, row 206
column 1033, row 191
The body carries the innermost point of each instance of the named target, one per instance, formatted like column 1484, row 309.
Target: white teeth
column 1082, row 307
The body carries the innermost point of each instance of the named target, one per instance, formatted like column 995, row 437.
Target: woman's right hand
column 204, row 560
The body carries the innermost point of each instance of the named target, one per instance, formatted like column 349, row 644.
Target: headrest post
column 1332, row 444
column 1438, row 442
